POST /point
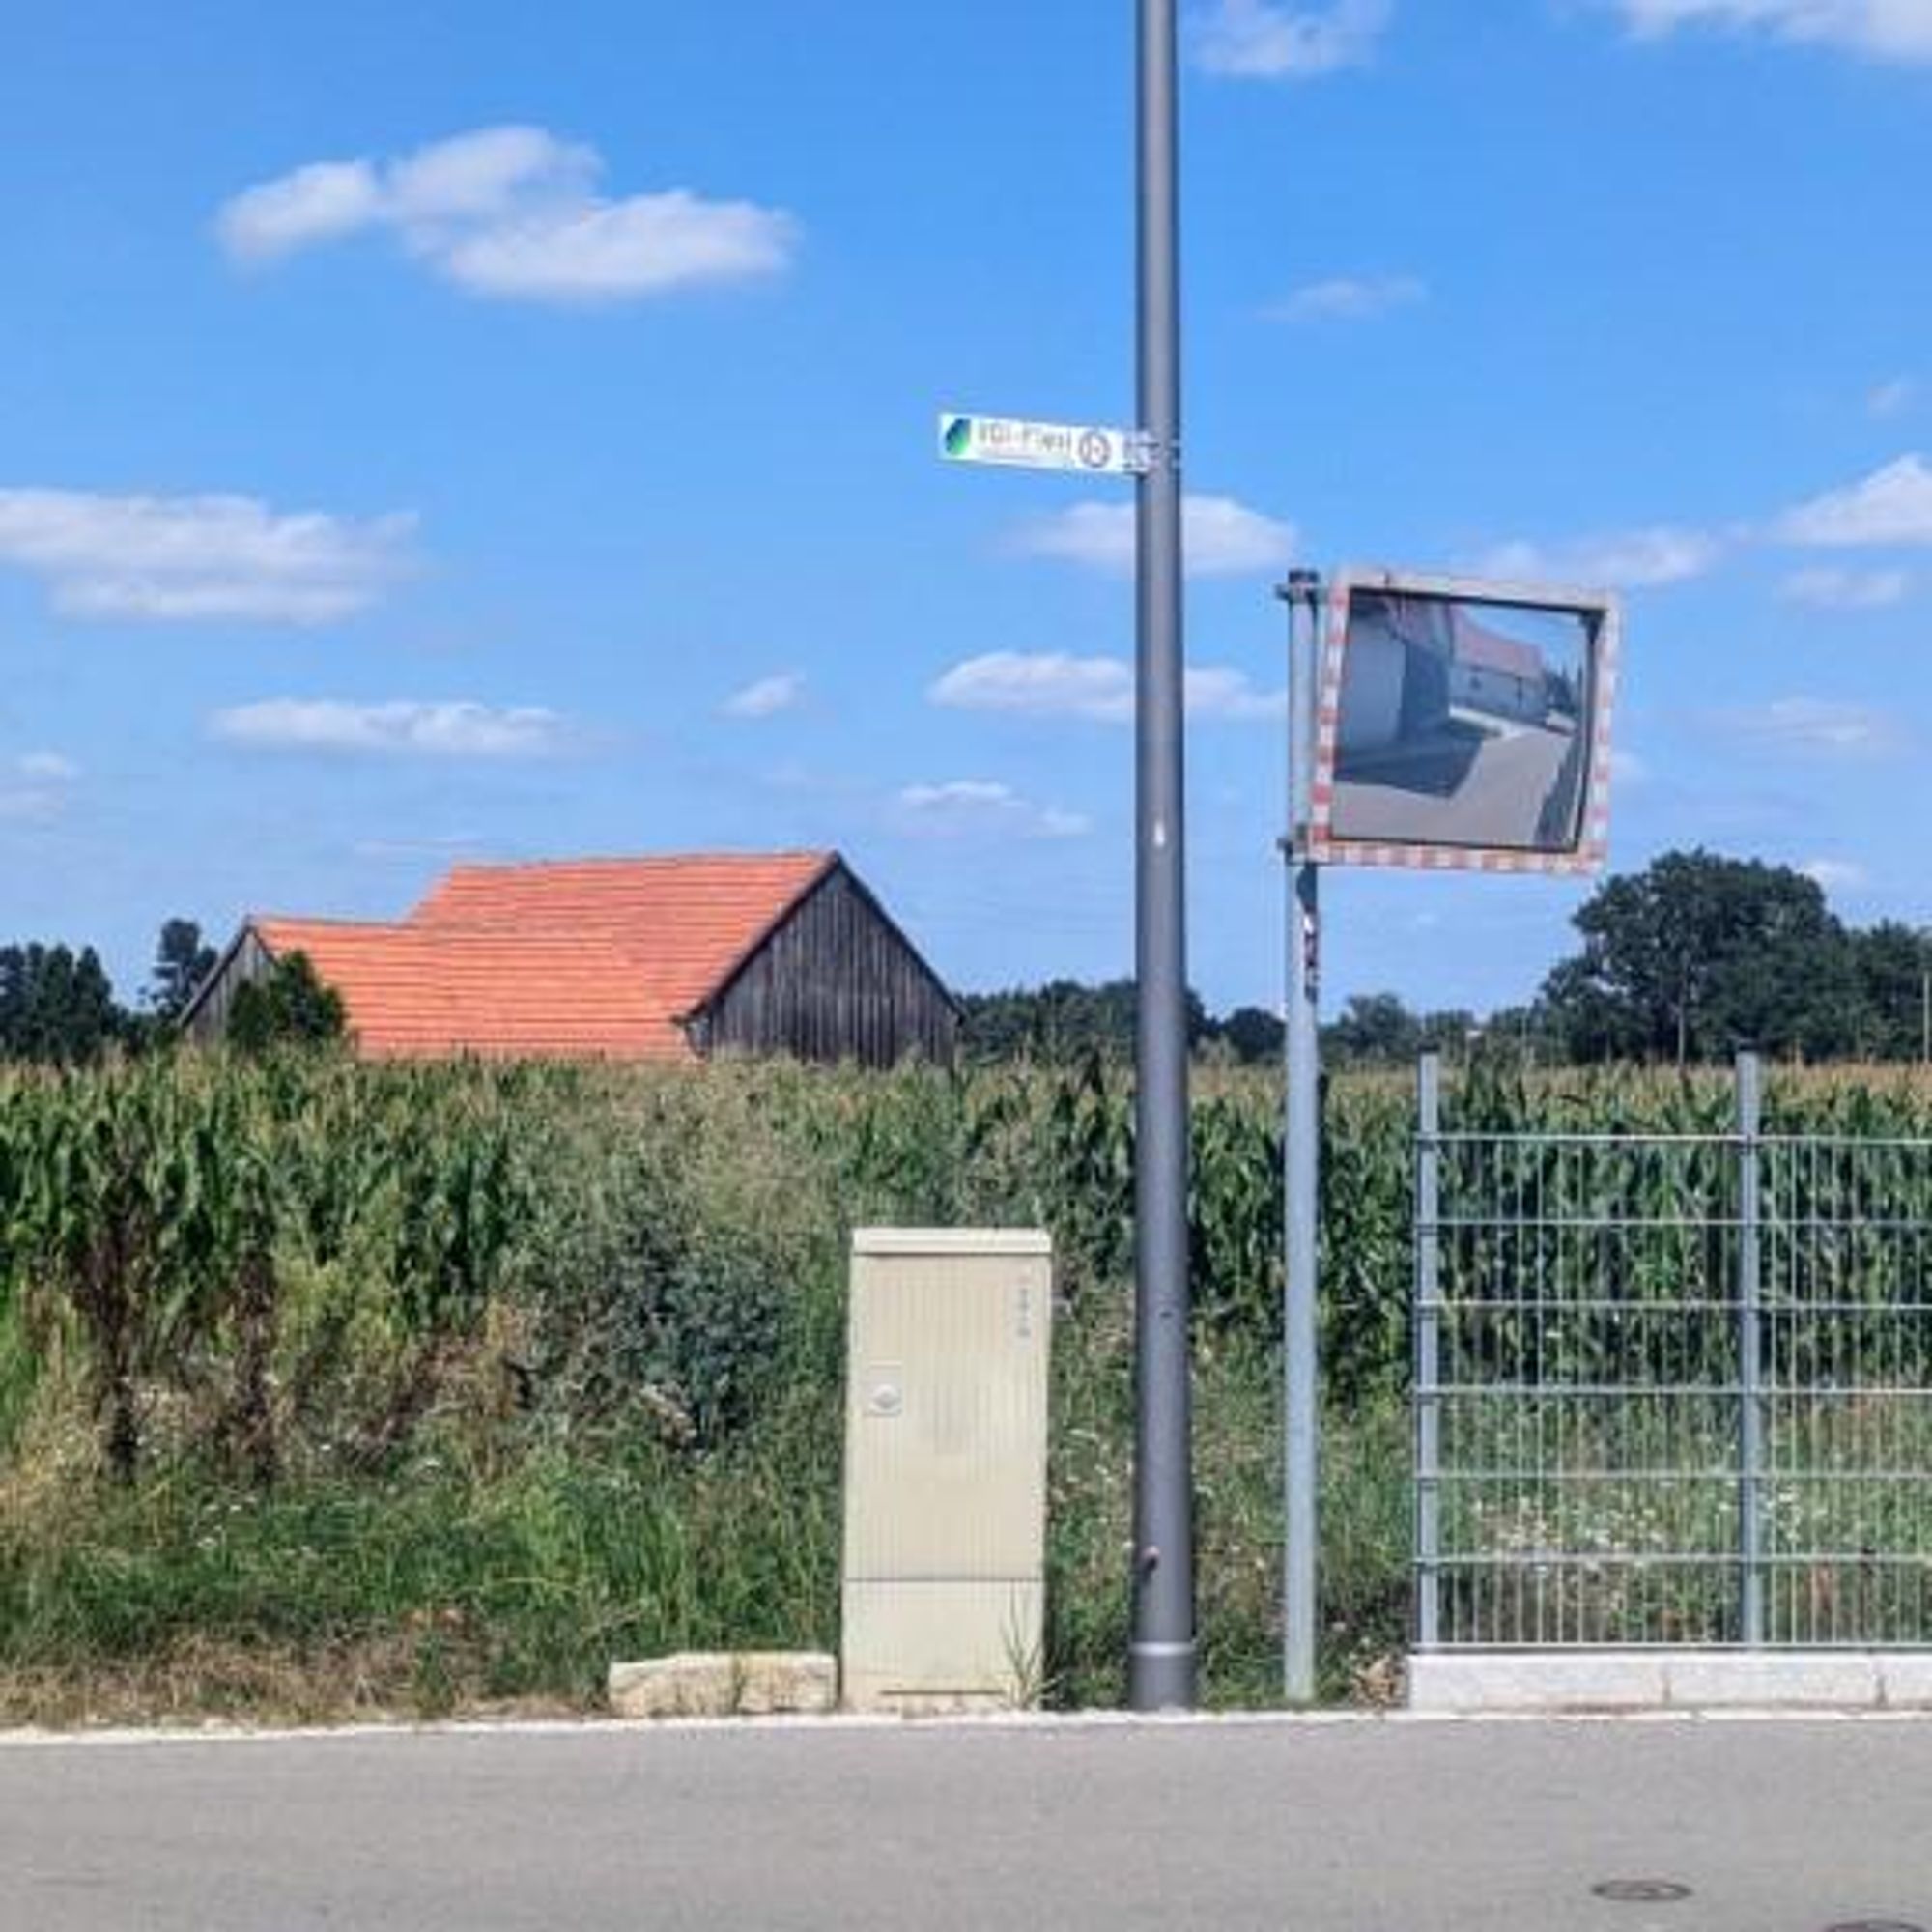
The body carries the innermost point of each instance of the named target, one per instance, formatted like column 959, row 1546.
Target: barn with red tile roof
column 668, row 958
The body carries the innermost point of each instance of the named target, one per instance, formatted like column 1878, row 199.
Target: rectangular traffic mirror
column 1462, row 723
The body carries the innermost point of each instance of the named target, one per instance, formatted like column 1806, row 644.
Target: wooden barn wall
column 208, row 1021
column 834, row 982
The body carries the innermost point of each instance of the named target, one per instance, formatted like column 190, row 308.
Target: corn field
column 550, row 1358
column 230, row 1236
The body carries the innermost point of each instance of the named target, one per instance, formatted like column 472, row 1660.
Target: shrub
column 288, row 1005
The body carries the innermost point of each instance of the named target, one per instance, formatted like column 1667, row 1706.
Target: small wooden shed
column 670, row 957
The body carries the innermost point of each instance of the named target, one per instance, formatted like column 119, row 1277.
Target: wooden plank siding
column 835, row 980
column 246, row 959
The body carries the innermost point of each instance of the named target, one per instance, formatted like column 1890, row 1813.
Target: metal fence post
column 1428, row 1353
column 1751, row 1410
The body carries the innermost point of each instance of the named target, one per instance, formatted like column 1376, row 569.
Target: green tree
column 1699, row 955
column 182, row 962
column 1373, row 1028
column 1891, row 962
column 1527, row 1035
column 1253, row 1035
column 1377, row 1030
column 1063, row 1021
column 288, row 1005
column 56, row 1006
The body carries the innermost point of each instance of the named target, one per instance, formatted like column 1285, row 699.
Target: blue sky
column 430, row 434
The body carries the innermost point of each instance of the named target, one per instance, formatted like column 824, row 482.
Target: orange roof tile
column 581, row 958
column 686, row 921
column 414, row 994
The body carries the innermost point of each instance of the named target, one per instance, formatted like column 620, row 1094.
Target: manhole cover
column 1645, row 1891
column 1874, row 1926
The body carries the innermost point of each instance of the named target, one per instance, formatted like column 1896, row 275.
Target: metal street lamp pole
column 1162, row 1666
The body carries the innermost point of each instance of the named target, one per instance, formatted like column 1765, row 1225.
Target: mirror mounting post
column 1301, row 1130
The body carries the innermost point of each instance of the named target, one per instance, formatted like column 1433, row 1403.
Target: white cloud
column 403, row 727
column 1224, row 538
column 1214, row 691
column 199, row 558
column 765, row 697
column 965, row 807
column 1100, row 535
column 1892, row 398
column 1268, row 40
column 46, row 767
column 318, row 203
column 1828, row 589
column 1836, row 875
column 1054, row 684
column 1046, row 684
column 34, row 788
column 617, row 251
column 1893, row 505
column 1817, row 727
column 1219, row 538
column 1349, row 299
column 1885, row 29
column 514, row 213
column 1625, row 559
column 1626, row 769
column 484, row 176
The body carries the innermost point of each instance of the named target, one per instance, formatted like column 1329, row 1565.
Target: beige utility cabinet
column 946, row 1468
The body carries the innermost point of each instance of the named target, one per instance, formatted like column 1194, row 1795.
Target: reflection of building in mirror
column 1495, row 676
column 1460, row 724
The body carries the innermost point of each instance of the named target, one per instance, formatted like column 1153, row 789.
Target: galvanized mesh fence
column 1672, row 1388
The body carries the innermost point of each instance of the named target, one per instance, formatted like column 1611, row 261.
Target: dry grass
column 197, row 1680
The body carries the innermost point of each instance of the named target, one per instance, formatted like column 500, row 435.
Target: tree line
column 58, row 1005
column 1689, row 961
column 1064, row 1020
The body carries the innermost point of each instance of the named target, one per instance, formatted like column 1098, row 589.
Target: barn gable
column 833, row 979
column 205, row 1018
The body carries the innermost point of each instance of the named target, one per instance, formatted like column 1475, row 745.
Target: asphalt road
column 1400, row 1827
column 1485, row 792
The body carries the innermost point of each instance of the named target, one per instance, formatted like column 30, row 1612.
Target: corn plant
column 109, row 1216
